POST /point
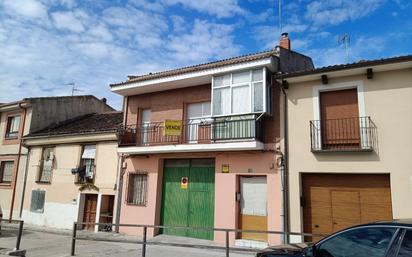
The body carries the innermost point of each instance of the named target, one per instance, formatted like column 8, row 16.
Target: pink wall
column 226, row 209
column 226, row 186
column 131, row 214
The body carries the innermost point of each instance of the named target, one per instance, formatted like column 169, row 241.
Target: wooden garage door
column 332, row 202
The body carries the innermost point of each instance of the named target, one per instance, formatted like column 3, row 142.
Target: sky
column 47, row 45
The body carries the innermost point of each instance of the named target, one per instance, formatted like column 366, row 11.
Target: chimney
column 285, row 41
column 104, row 100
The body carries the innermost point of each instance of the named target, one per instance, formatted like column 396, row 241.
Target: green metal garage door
column 192, row 204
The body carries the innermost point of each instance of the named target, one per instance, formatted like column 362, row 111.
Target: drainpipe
column 18, row 163
column 285, row 168
column 120, row 174
column 23, row 193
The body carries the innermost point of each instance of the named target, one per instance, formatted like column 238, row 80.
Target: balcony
column 357, row 134
column 193, row 135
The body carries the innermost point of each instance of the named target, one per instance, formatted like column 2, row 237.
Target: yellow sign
column 225, row 168
column 173, row 127
column 183, row 183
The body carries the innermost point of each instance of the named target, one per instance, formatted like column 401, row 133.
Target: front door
column 146, row 137
column 90, row 206
column 253, row 207
column 198, row 128
column 188, row 197
column 340, row 119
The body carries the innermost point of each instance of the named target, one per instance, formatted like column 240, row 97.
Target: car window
column 360, row 242
column 406, row 246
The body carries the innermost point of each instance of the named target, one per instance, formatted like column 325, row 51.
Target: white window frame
column 197, row 120
column 316, row 90
column 251, row 92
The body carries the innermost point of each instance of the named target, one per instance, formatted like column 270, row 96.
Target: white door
column 145, row 132
column 253, row 206
column 197, row 114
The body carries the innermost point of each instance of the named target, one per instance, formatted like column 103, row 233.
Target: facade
column 200, row 147
column 349, row 144
column 72, row 172
column 21, row 118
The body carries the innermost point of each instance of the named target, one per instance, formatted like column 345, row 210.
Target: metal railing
column 348, row 134
column 3, row 225
column 193, row 131
column 144, row 241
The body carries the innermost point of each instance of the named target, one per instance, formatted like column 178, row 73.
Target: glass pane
column 194, row 110
column 371, row 242
column 240, row 99
column 146, row 115
column 258, row 97
column 221, row 101
column 241, row 77
column 206, row 109
column 7, row 171
column 406, row 247
column 221, row 80
column 15, row 124
column 257, row 75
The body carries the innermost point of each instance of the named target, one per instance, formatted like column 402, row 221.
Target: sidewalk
column 40, row 241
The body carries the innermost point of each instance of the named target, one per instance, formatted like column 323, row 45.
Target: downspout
column 23, row 193
column 120, row 174
column 285, row 160
column 18, row 163
column 285, row 166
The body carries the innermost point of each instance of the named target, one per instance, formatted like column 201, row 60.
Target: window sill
column 354, row 150
column 11, row 138
column 136, row 205
column 37, row 211
column 5, row 184
column 43, row 182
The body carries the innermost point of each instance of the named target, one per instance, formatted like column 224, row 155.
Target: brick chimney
column 285, row 41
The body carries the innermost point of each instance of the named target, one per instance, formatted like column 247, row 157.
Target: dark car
column 379, row 239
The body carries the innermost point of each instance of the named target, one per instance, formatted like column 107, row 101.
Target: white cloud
column 334, row 12
column 204, row 42
column 179, row 23
column 68, row 20
column 218, row 8
column 363, row 48
column 101, row 31
column 94, row 49
column 147, row 5
column 26, row 8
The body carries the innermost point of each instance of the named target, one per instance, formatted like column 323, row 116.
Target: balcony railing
column 202, row 131
column 348, row 134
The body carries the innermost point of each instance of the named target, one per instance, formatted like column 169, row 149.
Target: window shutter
column 89, row 152
column 37, row 200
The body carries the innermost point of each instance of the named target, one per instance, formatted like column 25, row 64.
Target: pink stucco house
column 201, row 147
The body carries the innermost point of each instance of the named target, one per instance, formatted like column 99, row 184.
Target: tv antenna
column 344, row 40
column 74, row 89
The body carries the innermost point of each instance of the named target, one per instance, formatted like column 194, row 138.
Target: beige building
column 72, row 172
column 350, row 144
column 27, row 116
